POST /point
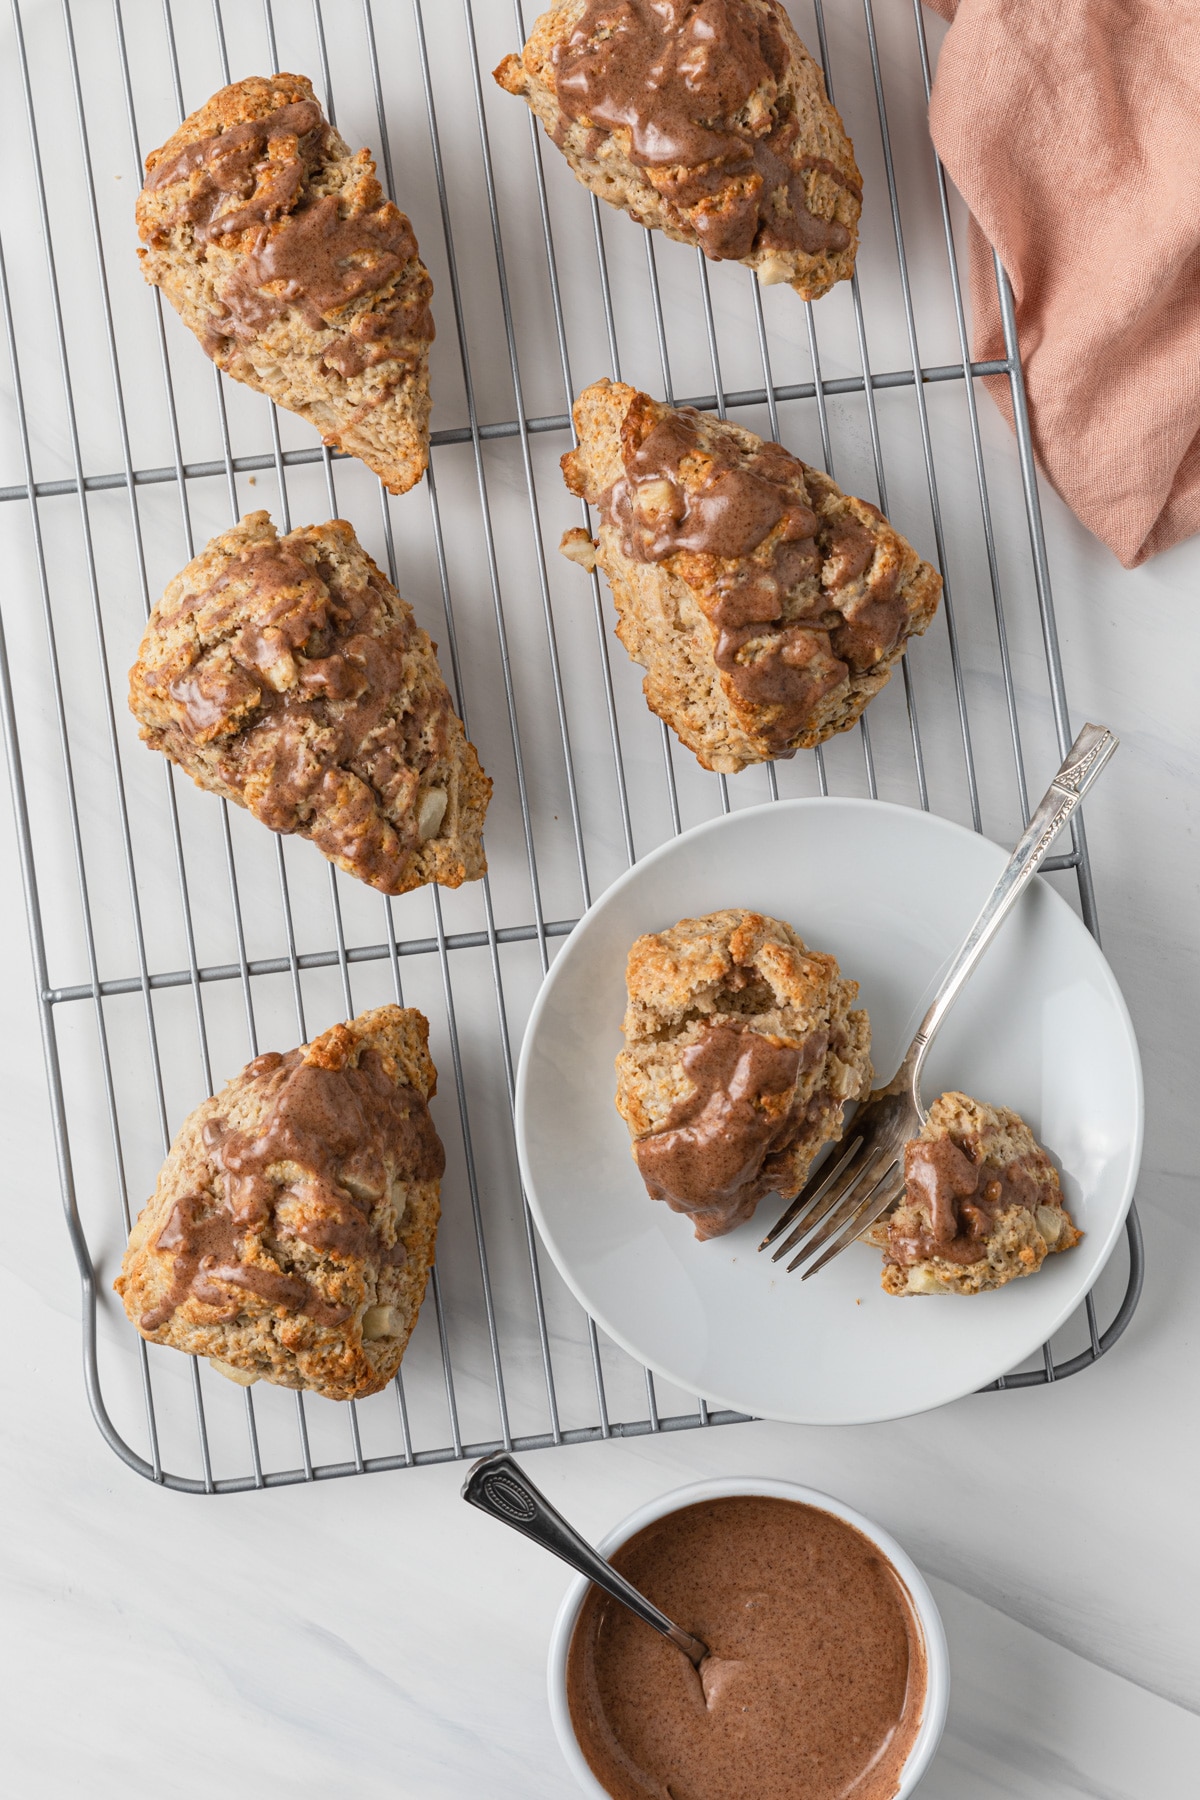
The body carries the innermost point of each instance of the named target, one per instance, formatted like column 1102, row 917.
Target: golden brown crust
column 692, row 201
column 669, row 610
column 344, row 344
column 289, row 676
column 1020, row 1238
column 742, row 969
column 347, row 1315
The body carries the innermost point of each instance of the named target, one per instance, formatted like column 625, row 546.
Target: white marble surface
column 373, row 1637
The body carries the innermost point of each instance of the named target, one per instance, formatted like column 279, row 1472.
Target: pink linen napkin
column 1072, row 130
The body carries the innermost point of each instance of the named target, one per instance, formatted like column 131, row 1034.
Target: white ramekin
column 937, row 1691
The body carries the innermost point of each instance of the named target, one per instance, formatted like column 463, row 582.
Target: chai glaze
column 336, row 1127
column 964, row 1196
column 699, row 84
column 785, row 605
column 712, row 1145
column 815, row 1685
column 304, row 254
column 287, row 743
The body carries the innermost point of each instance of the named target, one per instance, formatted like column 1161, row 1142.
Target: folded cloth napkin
column 1072, row 130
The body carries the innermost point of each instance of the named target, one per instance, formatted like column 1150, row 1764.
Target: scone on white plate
column 741, row 1051
column 279, row 252
column 288, row 675
column 291, row 1233
column 766, row 607
column 982, row 1204
column 707, row 121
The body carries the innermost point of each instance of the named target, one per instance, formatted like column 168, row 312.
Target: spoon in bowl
column 498, row 1486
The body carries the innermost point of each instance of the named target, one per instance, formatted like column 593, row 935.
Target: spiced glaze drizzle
column 782, row 584
column 342, row 1129
column 699, row 85
column 255, row 177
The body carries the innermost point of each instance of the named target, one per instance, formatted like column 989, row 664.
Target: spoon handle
column 498, row 1486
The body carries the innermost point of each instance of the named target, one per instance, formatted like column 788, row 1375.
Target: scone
column 982, row 1204
column 278, row 250
column 287, row 674
column 766, row 606
column 706, row 119
column 292, row 1229
column 741, row 1052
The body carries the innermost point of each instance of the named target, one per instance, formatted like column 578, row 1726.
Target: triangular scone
column 706, row 119
column 287, row 674
column 278, row 250
column 741, row 1053
column 292, row 1230
column 982, row 1204
column 766, row 606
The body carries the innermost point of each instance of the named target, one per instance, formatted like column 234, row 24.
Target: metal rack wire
column 172, row 939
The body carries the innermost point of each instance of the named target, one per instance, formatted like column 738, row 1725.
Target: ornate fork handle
column 1084, row 761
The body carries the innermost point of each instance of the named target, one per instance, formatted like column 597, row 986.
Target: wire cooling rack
column 173, row 938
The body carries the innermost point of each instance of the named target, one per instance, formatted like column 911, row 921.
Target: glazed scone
column 288, row 675
column 705, row 119
column 278, row 250
column 741, row 1052
column 291, row 1233
column 982, row 1204
column 766, row 606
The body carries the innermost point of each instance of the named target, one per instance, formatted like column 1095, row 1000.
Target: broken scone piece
column 288, row 675
column 292, row 1229
column 741, row 1052
column 766, row 606
column 705, row 119
column 982, row 1204
column 278, row 250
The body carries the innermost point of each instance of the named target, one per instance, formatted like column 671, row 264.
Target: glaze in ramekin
column 937, row 1660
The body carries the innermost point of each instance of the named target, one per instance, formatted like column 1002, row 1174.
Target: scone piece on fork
column 279, row 252
column 291, row 1233
column 705, row 119
column 982, row 1204
column 287, row 675
column 741, row 1052
column 766, row 606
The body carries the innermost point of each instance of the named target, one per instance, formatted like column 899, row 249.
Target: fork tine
column 877, row 1202
column 871, row 1207
column 811, row 1192
column 847, row 1182
column 861, row 1210
column 835, row 1217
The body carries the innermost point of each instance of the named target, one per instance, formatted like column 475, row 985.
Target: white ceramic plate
column 1041, row 1027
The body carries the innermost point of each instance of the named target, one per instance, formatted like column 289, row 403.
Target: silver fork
column 837, row 1204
